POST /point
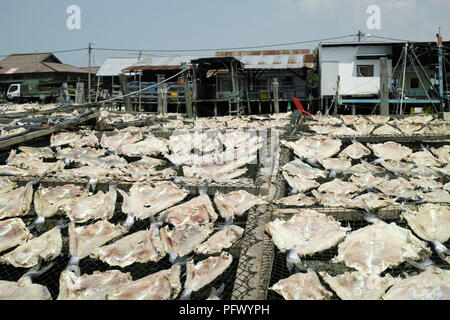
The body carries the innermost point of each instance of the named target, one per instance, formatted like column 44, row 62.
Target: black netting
column 321, row 261
column 50, row 278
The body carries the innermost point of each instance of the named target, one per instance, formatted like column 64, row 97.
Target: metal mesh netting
column 322, row 262
column 50, row 278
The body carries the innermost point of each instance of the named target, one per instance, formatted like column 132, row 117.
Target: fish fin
column 162, row 219
column 75, row 269
column 128, row 223
column 332, row 174
column 217, row 292
column 368, row 214
column 92, row 184
column 229, row 221
column 186, row 294
column 424, row 262
column 442, row 251
column 293, row 261
column 377, row 161
column 312, row 162
column 36, row 271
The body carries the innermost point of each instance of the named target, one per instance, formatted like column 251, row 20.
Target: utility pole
column 360, row 34
column 441, row 71
column 384, row 87
column 404, row 78
column 89, row 79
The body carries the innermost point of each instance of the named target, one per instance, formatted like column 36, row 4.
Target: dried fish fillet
column 47, row 246
column 398, row 187
column 6, row 186
column 142, row 246
column 297, row 200
column 300, row 184
column 16, row 202
column 425, row 158
column 436, row 196
column 236, row 203
column 432, row 284
column 63, row 138
column 162, row 285
column 48, row 201
column 306, row 233
column 183, row 241
column 301, row 286
column 151, row 146
column 94, row 286
column 337, row 164
column 222, row 239
column 114, row 143
column 358, row 285
column 13, row 232
column 146, row 201
column 386, row 130
column 316, row 147
column 375, row 248
column 198, row 211
column 338, row 186
column 390, row 150
column 85, row 239
column 364, row 168
column 206, row 271
column 371, row 200
column 304, row 170
column 23, row 289
column 396, row 166
column 442, row 153
column 331, row 199
column 99, row 206
column 367, row 180
column 430, row 222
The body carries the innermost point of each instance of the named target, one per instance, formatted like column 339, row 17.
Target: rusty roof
column 272, row 59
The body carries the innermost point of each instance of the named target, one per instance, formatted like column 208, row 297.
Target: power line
column 227, row 49
column 61, row 51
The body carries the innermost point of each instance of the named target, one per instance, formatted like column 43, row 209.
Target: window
column 414, row 83
column 13, row 88
column 364, row 71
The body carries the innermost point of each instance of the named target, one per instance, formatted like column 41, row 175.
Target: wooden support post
column 384, row 88
column 125, row 91
column 336, row 99
column 215, row 108
column 140, row 93
column 165, row 97
column 194, row 90
column 275, row 96
column 187, row 92
column 249, row 109
column 353, row 109
column 259, row 105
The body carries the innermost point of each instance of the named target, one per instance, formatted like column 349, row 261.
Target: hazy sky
column 40, row 25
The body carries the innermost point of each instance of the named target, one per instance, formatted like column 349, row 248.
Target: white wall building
column 356, row 63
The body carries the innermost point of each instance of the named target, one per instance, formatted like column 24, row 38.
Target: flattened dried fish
column 13, row 232
column 198, row 211
column 358, row 285
column 432, row 284
column 99, row 206
column 162, row 285
column 316, row 147
column 302, row 286
column 306, row 233
column 236, row 203
column 206, row 271
column 16, row 202
column 146, row 201
column 23, row 289
column 222, row 239
column 300, row 184
column 375, row 248
column 142, row 246
column 297, row 200
column 47, row 246
column 48, row 201
column 304, row 170
column 390, row 150
column 181, row 242
column 85, row 239
column 94, row 286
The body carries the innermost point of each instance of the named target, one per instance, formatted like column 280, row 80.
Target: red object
column 299, row 106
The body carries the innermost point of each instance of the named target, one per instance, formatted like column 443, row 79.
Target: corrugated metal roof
column 279, row 61
column 160, row 63
column 114, row 66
